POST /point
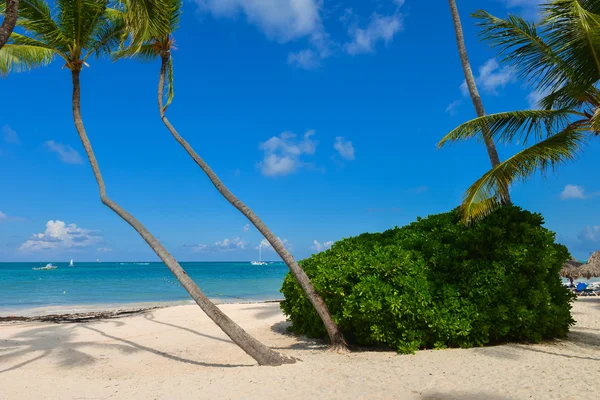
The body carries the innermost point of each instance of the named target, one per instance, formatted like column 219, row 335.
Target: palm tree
column 160, row 45
column 559, row 56
column 74, row 31
column 472, row 86
column 10, row 11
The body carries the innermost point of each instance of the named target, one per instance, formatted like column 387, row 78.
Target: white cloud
column 284, row 153
column 491, row 78
column 527, row 8
column 10, row 135
column 590, row 234
column 266, row 245
column 344, row 148
column 221, row 245
column 451, row 109
column 321, row 247
column 284, row 21
column 279, row 20
column 3, row 216
column 573, row 192
column 305, row 59
column 380, row 28
column 534, row 98
column 246, row 227
column 66, row 153
column 60, row 236
column 103, row 249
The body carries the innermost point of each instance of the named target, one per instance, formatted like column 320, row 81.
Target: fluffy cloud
column 344, row 148
column 103, row 249
column 3, row 216
column 284, row 21
column 572, row 192
column 284, row 153
column 10, row 135
column 60, row 236
column 266, row 245
column 320, row 247
column 280, row 20
column 221, row 246
column 491, row 78
column 380, row 28
column 66, row 153
column 246, row 227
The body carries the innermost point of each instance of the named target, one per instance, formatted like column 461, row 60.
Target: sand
column 177, row 353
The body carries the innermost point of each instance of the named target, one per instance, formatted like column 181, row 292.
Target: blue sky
column 323, row 116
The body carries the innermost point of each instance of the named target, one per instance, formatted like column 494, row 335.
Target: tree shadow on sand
column 266, row 310
column 31, row 345
column 152, row 318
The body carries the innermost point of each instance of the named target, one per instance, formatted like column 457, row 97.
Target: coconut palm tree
column 74, row 31
column 472, row 86
column 10, row 11
column 559, row 56
column 154, row 46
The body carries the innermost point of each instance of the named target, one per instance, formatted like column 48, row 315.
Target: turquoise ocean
column 120, row 283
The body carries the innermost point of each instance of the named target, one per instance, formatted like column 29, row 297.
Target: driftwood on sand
column 76, row 317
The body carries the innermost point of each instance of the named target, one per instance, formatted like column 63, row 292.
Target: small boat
column 71, row 263
column 47, row 267
column 259, row 262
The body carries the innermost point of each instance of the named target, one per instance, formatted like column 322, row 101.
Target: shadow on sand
column 60, row 342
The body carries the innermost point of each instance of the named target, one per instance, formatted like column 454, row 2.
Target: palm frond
column 574, row 32
column 485, row 194
column 35, row 17
column 19, row 58
column 524, row 49
column 145, row 52
column 107, row 35
column 506, row 126
column 151, row 19
column 169, row 93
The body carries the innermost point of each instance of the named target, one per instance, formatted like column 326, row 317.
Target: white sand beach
column 177, row 353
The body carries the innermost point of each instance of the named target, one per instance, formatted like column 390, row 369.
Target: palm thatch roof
column 592, row 268
column 571, row 269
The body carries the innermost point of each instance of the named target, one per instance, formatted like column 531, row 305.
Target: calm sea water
column 123, row 283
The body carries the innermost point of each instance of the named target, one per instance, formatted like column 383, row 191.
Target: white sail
column 71, row 263
column 260, row 261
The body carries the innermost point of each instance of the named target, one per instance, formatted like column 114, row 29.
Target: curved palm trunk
column 9, row 22
column 477, row 103
column 262, row 354
column 335, row 335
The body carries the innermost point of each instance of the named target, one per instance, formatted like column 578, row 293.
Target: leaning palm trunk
column 335, row 335
column 477, row 103
column 262, row 354
column 9, row 22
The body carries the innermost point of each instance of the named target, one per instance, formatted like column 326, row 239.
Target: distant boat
column 47, row 267
column 97, row 260
column 71, row 263
column 259, row 262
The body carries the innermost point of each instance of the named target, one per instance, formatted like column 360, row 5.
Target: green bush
column 437, row 283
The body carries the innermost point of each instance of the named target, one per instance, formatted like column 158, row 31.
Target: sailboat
column 259, row 262
column 71, row 263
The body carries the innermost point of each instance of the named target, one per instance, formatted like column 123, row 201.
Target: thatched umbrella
column 592, row 268
column 571, row 270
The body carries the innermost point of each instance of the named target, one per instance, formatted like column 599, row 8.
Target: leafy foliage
column 560, row 58
column 438, row 283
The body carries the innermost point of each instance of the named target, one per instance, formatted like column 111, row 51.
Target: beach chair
column 580, row 289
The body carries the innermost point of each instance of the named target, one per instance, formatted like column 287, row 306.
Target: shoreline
column 83, row 312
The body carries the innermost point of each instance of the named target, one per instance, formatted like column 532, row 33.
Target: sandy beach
column 177, row 353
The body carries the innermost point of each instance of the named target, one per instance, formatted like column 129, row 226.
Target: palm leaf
column 485, row 194
column 506, row 126
column 524, row 49
column 22, row 57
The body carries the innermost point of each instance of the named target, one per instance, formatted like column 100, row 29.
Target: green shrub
column 438, row 283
